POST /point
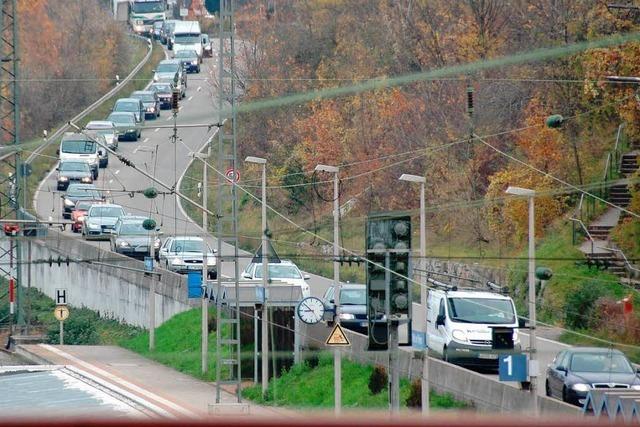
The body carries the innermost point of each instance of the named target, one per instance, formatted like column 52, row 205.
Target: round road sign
column 61, row 312
column 232, row 175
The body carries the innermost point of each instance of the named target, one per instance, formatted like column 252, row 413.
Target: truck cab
column 460, row 322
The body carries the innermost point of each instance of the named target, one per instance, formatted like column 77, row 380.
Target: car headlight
column 156, row 78
column 635, row 387
column 150, row 109
column 80, row 218
column 123, row 244
column 194, row 62
column 581, row 387
column 347, row 316
column 176, row 261
column 63, row 178
column 459, row 335
column 131, row 130
column 86, row 180
column 92, row 225
column 156, row 244
column 207, row 47
column 68, row 203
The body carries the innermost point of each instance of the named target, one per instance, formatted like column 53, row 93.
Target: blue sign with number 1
column 512, row 367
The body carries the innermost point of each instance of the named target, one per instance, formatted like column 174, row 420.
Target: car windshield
column 126, row 119
column 161, row 88
column 74, row 167
column 78, row 147
column 353, row 297
column 83, row 192
column 147, row 7
column 481, row 310
column 167, row 68
column 145, row 97
column 85, row 205
column 600, row 362
column 132, row 229
column 187, row 39
column 186, row 246
column 278, row 271
column 128, row 106
column 106, row 211
column 186, row 54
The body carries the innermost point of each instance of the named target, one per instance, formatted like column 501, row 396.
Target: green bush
column 415, row 394
column 79, row 329
column 580, row 305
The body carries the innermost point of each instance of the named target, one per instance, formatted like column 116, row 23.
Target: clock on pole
column 310, row 310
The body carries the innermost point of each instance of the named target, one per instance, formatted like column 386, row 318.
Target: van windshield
column 147, row 7
column 187, row 38
column 481, row 310
column 78, row 147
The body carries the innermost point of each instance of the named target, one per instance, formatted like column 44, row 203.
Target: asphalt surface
column 199, row 106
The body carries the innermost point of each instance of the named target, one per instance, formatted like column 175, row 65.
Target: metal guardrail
column 53, row 137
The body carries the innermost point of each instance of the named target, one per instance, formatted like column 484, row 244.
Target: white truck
column 187, row 36
column 143, row 13
column 460, row 322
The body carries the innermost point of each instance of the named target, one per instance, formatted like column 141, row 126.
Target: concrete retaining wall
column 110, row 289
column 486, row 394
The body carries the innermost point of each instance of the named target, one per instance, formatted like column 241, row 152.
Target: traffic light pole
column 394, row 368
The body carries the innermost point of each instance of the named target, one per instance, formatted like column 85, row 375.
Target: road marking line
column 169, row 118
column 145, row 140
column 199, row 88
column 111, row 182
column 136, row 150
column 117, row 171
column 157, row 130
column 180, row 108
column 120, row 381
column 190, row 98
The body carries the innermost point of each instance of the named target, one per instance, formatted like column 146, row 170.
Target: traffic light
column 388, row 250
column 175, row 96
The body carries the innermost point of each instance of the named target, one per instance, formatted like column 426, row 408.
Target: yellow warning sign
column 337, row 337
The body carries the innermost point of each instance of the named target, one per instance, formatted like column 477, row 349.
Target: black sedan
column 163, row 90
column 353, row 306
column 71, row 171
column 189, row 59
column 77, row 192
column 577, row 370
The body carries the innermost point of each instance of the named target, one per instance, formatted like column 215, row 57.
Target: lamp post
column 533, row 367
column 423, row 285
column 337, row 361
column 265, row 272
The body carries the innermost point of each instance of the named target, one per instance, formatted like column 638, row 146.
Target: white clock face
column 311, row 310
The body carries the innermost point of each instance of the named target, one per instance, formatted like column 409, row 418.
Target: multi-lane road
column 169, row 165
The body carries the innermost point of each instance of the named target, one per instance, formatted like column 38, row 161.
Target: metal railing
column 631, row 269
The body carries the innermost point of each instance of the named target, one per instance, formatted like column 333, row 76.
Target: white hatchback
column 285, row 271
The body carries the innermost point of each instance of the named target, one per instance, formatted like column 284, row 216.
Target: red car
column 80, row 210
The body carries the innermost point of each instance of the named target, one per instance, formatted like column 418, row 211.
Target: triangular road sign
column 337, row 337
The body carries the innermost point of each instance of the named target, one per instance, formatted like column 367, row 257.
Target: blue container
column 194, row 282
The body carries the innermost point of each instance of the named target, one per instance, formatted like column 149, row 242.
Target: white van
column 187, row 36
column 459, row 325
column 78, row 147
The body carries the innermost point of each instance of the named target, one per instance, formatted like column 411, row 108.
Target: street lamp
column 337, row 361
column 423, row 285
column 533, row 368
column 265, row 272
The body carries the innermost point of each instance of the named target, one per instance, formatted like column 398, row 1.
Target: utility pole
column 533, row 363
column 152, row 293
column 264, row 345
column 205, row 264
column 423, row 286
column 337, row 357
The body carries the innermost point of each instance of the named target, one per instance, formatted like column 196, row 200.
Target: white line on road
column 117, row 171
column 111, row 182
column 157, row 130
column 169, row 118
column 145, row 140
column 190, row 98
column 199, row 88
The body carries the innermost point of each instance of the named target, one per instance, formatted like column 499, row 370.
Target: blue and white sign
column 418, row 340
column 148, row 263
column 260, row 294
column 512, row 367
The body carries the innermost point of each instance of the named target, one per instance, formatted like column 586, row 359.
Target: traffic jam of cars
column 83, row 154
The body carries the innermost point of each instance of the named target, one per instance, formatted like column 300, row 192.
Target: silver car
column 105, row 128
column 100, row 220
column 184, row 253
column 130, row 238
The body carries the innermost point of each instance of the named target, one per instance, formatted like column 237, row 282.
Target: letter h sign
column 61, row 296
